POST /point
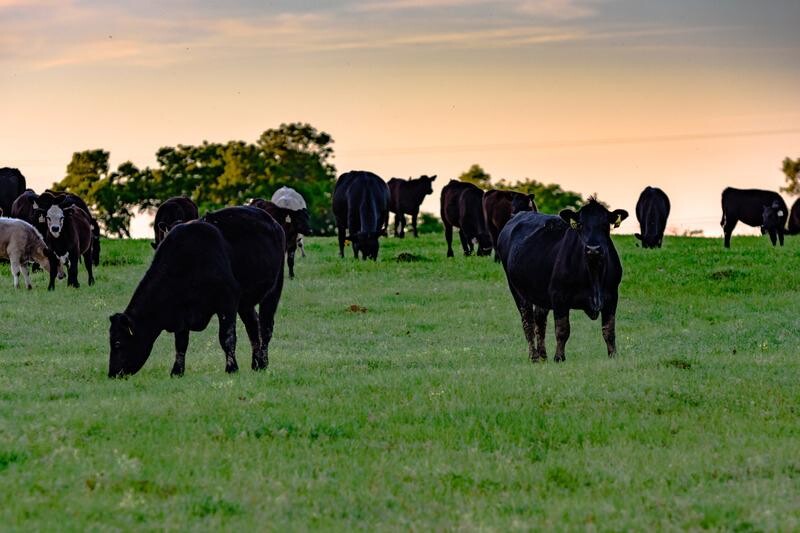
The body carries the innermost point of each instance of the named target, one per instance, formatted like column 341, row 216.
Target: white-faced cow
column 290, row 199
column 12, row 184
column 65, row 199
column 498, row 208
column 173, row 211
column 652, row 210
column 21, row 244
column 754, row 207
column 405, row 198
column 562, row 262
column 69, row 236
column 361, row 208
column 228, row 262
column 462, row 207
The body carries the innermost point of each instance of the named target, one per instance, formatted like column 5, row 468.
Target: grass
column 399, row 396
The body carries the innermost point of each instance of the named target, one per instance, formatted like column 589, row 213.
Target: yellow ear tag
column 618, row 222
column 573, row 223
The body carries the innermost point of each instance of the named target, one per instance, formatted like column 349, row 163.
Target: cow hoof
column 259, row 364
column 75, row 285
column 91, row 281
column 231, row 368
column 30, row 287
column 176, row 372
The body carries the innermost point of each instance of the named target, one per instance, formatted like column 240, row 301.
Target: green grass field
column 399, row 396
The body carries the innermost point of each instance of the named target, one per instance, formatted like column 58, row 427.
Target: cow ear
column 35, row 205
column 433, row 178
column 570, row 217
column 617, row 216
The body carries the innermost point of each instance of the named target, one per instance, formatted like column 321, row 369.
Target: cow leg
column 562, row 333
column 227, row 339
column 250, row 319
column 72, row 271
column 15, row 268
column 88, row 261
column 399, row 231
column 609, row 331
column 342, row 230
column 780, row 235
column 27, row 275
column 539, row 328
column 266, row 318
column 181, row 345
column 290, row 263
column 728, row 230
column 448, row 236
column 414, row 225
column 465, row 244
column 402, row 226
column 773, row 237
column 302, row 247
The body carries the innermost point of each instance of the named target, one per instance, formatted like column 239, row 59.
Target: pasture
column 399, row 396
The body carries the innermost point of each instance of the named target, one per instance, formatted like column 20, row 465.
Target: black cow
column 23, row 209
column 754, row 207
column 652, row 210
column 66, row 199
column 69, row 236
column 462, row 207
column 498, row 208
column 361, row 207
column 793, row 227
column 12, row 184
column 173, row 211
column 225, row 263
column 562, row 262
column 405, row 198
column 293, row 222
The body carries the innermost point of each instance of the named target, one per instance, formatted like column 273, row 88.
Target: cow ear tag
column 573, row 223
column 130, row 331
column 780, row 213
column 288, row 218
column 618, row 222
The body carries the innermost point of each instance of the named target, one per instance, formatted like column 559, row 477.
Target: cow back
column 12, row 184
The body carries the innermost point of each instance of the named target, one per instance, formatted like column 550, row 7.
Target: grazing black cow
column 793, row 227
column 12, row 184
column 66, row 199
column 562, row 262
column 405, row 198
column 173, row 211
column 462, row 207
column 69, row 236
column 293, row 222
column 225, row 263
column 754, row 207
column 498, row 208
column 652, row 210
column 361, row 207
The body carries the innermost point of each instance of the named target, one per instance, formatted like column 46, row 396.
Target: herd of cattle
column 231, row 260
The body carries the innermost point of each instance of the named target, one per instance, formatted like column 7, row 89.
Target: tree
column 791, row 168
column 550, row 198
column 477, row 176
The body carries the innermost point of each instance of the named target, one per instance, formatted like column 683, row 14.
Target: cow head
column 301, row 221
column 521, row 202
column 428, row 181
column 593, row 224
column 54, row 218
column 484, row 244
column 128, row 353
column 773, row 217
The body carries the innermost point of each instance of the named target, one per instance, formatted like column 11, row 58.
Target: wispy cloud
column 555, row 9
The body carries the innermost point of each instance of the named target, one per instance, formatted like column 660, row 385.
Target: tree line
column 297, row 155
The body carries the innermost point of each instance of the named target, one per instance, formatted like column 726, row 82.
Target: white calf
column 21, row 243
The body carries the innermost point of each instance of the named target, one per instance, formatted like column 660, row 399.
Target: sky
column 599, row 96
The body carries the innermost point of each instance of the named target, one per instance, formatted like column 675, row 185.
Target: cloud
column 555, row 9
column 400, row 5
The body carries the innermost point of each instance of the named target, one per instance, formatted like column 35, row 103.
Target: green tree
column 550, row 198
column 477, row 176
column 791, row 168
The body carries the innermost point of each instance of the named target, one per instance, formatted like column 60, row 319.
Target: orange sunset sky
column 603, row 96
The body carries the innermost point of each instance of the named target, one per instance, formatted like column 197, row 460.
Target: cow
column 292, row 222
column 22, row 243
column 754, row 207
column 66, row 199
column 562, row 262
column 173, row 211
column 793, row 227
column 405, row 197
column 225, row 263
column 23, row 209
column 69, row 236
column 462, row 207
column 292, row 200
column 498, row 208
column 652, row 211
column 361, row 207
column 12, row 184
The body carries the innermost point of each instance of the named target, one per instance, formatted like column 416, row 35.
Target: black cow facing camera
column 561, row 263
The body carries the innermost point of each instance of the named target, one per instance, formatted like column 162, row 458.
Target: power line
column 571, row 143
